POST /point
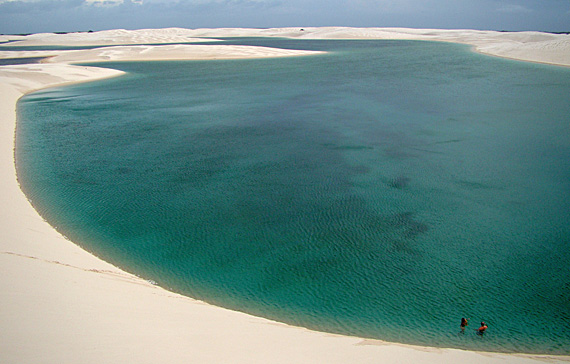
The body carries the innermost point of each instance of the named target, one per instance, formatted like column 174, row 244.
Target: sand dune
column 108, row 37
column 526, row 46
column 62, row 305
column 174, row 52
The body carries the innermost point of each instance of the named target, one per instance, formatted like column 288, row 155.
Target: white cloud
column 111, row 2
column 104, row 2
column 514, row 9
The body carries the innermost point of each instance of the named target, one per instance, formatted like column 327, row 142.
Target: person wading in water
column 464, row 323
column 481, row 330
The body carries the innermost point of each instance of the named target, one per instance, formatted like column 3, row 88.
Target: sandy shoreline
column 61, row 304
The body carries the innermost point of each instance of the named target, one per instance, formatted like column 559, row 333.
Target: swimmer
column 464, row 322
column 482, row 328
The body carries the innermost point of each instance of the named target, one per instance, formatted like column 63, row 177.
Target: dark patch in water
column 124, row 170
column 410, row 227
column 402, row 246
column 400, row 182
column 347, row 147
column 449, row 141
column 474, row 185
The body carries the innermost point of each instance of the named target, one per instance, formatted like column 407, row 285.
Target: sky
column 36, row 16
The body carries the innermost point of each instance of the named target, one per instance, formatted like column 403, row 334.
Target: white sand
column 526, row 46
column 109, row 37
column 59, row 304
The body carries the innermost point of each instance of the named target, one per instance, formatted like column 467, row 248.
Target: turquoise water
column 385, row 189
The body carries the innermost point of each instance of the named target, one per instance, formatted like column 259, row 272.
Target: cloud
column 111, row 3
column 23, row 6
column 104, row 2
column 391, row 6
column 514, row 9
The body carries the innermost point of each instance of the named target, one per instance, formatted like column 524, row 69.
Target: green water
column 385, row 189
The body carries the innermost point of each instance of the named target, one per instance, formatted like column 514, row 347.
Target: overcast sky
column 34, row 16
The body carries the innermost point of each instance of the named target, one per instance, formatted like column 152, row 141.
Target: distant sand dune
column 526, row 46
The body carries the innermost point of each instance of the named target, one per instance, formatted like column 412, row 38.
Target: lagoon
column 385, row 189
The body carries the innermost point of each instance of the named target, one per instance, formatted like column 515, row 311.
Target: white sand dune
column 108, row 37
column 174, row 52
column 526, row 46
column 60, row 304
column 156, row 53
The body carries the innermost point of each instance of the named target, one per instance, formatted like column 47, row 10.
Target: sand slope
column 59, row 304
